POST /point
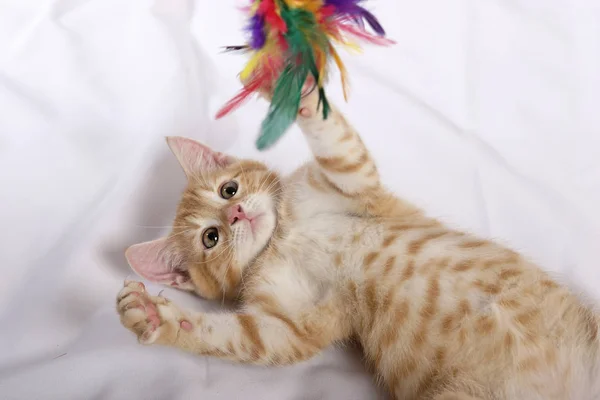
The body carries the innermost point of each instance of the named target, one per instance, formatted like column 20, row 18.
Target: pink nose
column 235, row 214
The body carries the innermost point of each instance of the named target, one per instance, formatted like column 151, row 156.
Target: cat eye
column 210, row 237
column 229, row 189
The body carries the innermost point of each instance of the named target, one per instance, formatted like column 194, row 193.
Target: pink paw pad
column 186, row 325
column 305, row 112
column 152, row 314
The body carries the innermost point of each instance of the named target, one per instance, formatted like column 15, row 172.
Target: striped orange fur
column 327, row 255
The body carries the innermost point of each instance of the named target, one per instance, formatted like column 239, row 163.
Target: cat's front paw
column 154, row 319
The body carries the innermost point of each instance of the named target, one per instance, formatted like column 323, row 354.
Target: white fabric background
column 485, row 113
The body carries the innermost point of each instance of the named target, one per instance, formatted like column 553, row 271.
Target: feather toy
column 290, row 40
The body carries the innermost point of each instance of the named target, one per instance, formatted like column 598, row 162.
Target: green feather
column 302, row 35
column 284, row 106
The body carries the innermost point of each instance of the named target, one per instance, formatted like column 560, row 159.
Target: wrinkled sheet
column 485, row 113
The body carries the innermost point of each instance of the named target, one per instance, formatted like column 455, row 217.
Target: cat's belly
column 436, row 309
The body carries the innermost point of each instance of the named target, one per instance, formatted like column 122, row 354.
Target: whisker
column 267, row 176
column 274, row 182
column 181, row 233
column 229, row 265
column 243, row 172
column 215, row 257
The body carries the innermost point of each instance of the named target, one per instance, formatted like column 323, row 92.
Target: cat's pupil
column 230, row 190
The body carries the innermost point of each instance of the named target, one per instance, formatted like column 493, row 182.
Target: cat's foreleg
column 250, row 337
column 342, row 158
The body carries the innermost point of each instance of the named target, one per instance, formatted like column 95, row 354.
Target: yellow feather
column 251, row 66
column 310, row 5
column 353, row 46
column 343, row 71
column 350, row 45
column 322, row 67
column 258, row 58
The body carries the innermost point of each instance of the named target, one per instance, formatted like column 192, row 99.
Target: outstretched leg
column 250, row 337
column 343, row 164
column 341, row 156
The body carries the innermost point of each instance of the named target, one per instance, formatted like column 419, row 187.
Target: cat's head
column 226, row 217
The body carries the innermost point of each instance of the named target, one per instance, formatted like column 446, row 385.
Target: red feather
column 272, row 67
column 251, row 88
column 325, row 12
column 268, row 9
column 283, row 44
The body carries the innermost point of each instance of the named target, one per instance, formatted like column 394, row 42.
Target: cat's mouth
column 255, row 223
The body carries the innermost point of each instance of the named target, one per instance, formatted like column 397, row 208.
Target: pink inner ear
column 195, row 157
column 148, row 260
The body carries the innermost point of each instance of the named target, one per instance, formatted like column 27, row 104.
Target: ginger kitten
column 327, row 254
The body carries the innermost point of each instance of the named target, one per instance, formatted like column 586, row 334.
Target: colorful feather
column 343, row 72
column 257, row 31
column 292, row 40
column 284, row 105
column 248, row 90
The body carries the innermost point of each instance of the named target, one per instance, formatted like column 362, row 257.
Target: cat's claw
column 150, row 317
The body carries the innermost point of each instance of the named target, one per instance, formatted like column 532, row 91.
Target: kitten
column 328, row 254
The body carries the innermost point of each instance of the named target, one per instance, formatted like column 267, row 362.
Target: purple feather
column 353, row 9
column 372, row 21
column 343, row 6
column 358, row 21
column 257, row 32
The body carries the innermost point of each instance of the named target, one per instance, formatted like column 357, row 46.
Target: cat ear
column 194, row 157
column 151, row 261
